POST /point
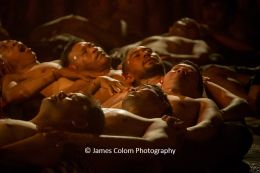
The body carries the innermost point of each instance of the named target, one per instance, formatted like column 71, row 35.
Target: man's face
column 67, row 106
column 141, row 60
column 181, row 76
column 16, row 52
column 87, row 56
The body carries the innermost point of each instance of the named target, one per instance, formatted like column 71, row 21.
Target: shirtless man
column 19, row 136
column 82, row 63
column 178, row 84
column 140, row 66
column 182, row 42
column 24, row 76
column 127, row 130
column 107, row 33
column 243, row 84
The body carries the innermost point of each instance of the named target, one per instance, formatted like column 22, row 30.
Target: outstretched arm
column 18, row 87
column 233, row 108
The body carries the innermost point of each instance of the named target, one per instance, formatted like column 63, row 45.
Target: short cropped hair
column 197, row 68
column 67, row 48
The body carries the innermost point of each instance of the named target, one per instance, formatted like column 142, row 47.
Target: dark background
column 238, row 19
column 148, row 17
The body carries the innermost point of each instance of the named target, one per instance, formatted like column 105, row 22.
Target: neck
column 41, row 122
column 24, row 68
column 152, row 80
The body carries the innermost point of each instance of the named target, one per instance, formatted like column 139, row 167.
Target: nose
column 62, row 95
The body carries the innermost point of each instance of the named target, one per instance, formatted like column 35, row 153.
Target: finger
column 110, row 90
column 116, row 89
column 120, row 85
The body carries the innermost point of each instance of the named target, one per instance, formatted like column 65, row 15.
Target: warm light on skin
column 88, row 56
column 181, row 79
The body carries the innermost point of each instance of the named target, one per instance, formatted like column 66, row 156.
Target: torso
column 123, row 123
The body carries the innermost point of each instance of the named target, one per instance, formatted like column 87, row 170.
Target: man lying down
column 77, row 120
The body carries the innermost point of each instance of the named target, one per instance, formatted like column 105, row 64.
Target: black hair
column 66, row 51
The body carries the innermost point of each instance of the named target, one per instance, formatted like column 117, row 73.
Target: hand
column 175, row 123
column 205, row 79
column 113, row 85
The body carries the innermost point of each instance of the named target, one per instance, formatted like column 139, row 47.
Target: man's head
column 72, row 112
column 81, row 55
column 17, row 54
column 147, row 101
column 141, row 63
column 186, row 27
column 185, row 79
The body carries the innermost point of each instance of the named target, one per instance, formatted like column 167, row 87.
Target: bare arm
column 209, row 121
column 233, row 107
column 105, row 82
column 20, row 87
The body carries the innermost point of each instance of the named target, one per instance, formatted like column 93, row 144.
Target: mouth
column 150, row 60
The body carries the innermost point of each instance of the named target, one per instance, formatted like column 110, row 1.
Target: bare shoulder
column 206, row 101
column 182, row 99
column 122, row 114
column 44, row 65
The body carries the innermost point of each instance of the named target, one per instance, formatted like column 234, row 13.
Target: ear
column 129, row 79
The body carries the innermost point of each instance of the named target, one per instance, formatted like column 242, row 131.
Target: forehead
column 10, row 43
column 184, row 65
column 137, row 50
